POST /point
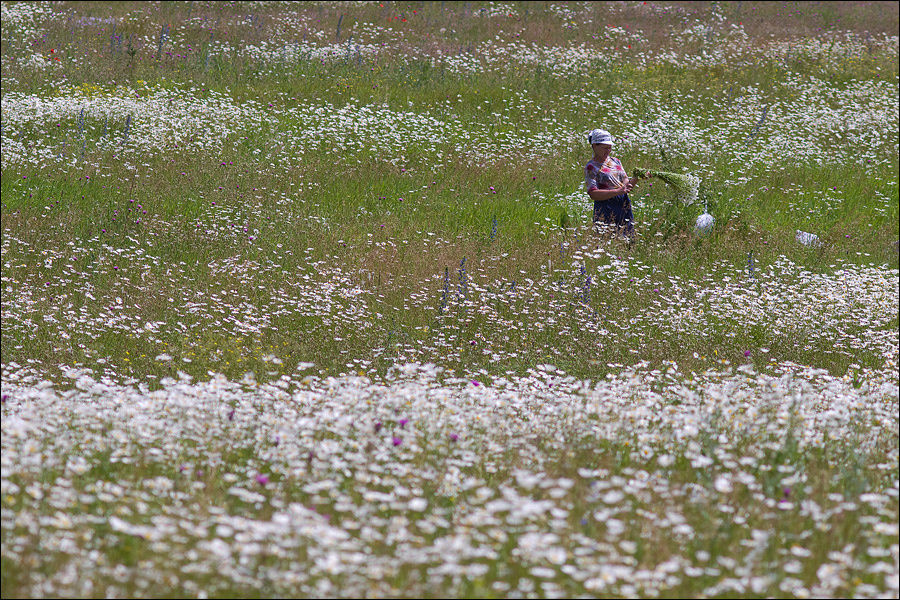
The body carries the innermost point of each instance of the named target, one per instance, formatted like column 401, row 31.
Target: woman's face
column 601, row 151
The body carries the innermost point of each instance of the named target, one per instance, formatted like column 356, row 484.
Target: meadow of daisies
column 304, row 300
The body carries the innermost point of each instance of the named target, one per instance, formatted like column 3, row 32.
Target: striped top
column 610, row 175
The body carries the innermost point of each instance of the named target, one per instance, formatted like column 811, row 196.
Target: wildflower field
column 303, row 299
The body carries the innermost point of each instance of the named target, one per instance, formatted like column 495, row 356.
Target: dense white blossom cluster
column 322, row 474
column 120, row 120
column 748, row 130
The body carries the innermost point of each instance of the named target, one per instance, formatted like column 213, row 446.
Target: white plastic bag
column 705, row 223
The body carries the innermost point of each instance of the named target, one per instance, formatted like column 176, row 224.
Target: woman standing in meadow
column 608, row 185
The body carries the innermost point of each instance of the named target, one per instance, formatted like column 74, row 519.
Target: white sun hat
column 600, row 136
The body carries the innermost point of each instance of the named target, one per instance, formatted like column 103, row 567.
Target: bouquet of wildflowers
column 686, row 186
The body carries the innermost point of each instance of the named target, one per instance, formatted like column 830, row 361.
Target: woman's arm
column 601, row 195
